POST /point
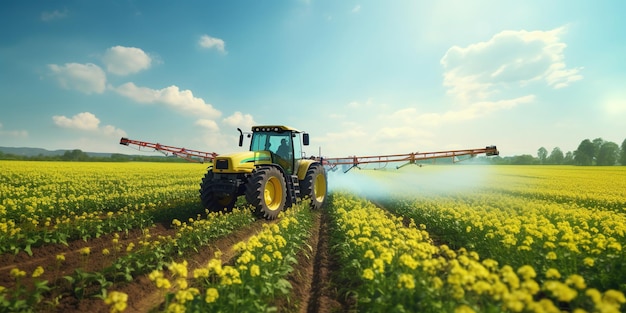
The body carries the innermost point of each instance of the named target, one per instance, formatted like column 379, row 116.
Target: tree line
column 78, row 155
column 589, row 152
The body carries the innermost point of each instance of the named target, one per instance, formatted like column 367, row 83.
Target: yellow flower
column 201, row 273
column 553, row 273
column 179, row 269
column 561, row 291
column 368, row 274
column 163, row 283
column 16, row 273
column 576, row 281
column 527, row 272
column 406, row 281
column 211, row 295
column 255, row 270
column 85, row 251
column 176, row 308
column 614, row 297
column 551, row 255
column 38, row 271
column 266, row 258
column 589, row 261
column 463, row 308
column 118, row 301
column 105, row 251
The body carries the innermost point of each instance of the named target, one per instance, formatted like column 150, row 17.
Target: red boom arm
column 187, row 154
column 410, row 158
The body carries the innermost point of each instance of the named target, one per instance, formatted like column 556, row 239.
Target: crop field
column 133, row 237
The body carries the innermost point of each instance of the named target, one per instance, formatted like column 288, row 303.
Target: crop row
column 54, row 202
column 253, row 281
column 129, row 261
column 390, row 263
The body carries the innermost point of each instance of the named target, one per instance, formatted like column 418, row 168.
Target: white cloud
column 54, row 15
column 209, row 42
column 238, row 119
column 82, row 121
column 510, row 59
column 210, row 125
column 86, row 121
column 356, row 9
column 88, row 78
column 126, row 60
column 171, row 96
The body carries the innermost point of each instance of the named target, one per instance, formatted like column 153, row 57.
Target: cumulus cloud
column 510, row 59
column 209, row 42
column 54, row 15
column 82, row 121
column 210, row 125
column 126, row 60
column 88, row 78
column 86, row 121
column 172, row 96
column 238, row 119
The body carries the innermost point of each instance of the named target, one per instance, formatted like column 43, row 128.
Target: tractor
column 273, row 175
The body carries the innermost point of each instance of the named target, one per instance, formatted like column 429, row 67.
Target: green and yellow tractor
column 272, row 175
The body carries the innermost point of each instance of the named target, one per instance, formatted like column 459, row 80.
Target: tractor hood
column 240, row 162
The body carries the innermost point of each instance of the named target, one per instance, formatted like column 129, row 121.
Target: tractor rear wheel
column 266, row 192
column 314, row 186
column 213, row 200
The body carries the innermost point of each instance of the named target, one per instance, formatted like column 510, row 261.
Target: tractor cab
column 283, row 143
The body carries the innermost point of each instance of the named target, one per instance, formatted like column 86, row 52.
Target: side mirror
column 240, row 137
column 305, row 139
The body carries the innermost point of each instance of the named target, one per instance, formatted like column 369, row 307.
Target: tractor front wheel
column 266, row 192
column 213, row 200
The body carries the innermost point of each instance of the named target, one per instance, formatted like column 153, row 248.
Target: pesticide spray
column 379, row 184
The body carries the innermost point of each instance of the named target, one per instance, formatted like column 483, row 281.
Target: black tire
column 314, row 186
column 266, row 191
column 213, row 201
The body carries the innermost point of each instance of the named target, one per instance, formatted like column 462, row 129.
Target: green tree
column 569, row 158
column 542, row 154
column 585, row 153
column 608, row 154
column 556, row 156
column 622, row 158
column 524, row 159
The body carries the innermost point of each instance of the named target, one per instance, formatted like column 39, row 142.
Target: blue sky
column 362, row 77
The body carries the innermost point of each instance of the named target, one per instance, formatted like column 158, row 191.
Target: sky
column 361, row 77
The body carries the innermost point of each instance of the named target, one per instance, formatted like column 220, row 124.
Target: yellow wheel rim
column 319, row 188
column 273, row 194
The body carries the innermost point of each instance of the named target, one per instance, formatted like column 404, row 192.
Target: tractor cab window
column 279, row 143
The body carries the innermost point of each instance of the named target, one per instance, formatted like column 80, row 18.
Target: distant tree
column 75, row 155
column 622, row 158
column 569, row 158
column 542, row 154
column 608, row 154
column 524, row 159
column 585, row 153
column 597, row 143
column 556, row 156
